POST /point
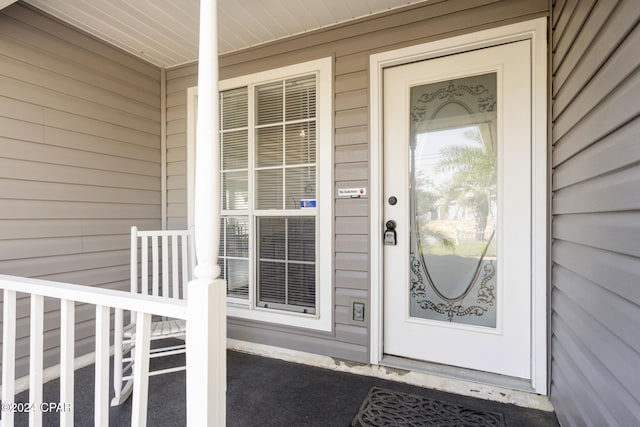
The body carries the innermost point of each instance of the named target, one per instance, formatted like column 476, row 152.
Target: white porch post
column 206, row 322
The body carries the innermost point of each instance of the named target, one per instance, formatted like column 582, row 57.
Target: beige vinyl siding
column 350, row 45
column 79, row 163
column 596, row 212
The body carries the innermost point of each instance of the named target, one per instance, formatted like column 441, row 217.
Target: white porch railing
column 104, row 301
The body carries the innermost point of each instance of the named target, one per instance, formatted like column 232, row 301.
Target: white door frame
column 536, row 31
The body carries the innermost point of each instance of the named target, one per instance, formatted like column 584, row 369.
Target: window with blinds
column 268, row 165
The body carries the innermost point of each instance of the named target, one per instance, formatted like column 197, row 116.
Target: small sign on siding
column 307, row 203
column 352, row 192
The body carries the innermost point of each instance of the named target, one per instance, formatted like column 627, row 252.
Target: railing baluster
column 186, row 264
column 117, row 352
column 174, row 266
column 8, row 355
column 165, row 266
column 141, row 370
column 154, row 265
column 144, row 265
column 67, row 354
column 101, row 399
column 35, row 359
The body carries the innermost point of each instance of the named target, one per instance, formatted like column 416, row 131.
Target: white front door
column 457, row 185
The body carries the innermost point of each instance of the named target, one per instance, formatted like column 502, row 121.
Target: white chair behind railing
column 165, row 269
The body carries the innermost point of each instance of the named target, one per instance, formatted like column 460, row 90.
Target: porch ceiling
column 165, row 32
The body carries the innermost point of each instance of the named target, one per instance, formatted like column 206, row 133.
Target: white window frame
column 246, row 309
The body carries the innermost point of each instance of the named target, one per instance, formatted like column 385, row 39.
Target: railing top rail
column 98, row 296
column 163, row 233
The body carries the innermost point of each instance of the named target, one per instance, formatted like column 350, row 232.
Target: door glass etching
column 454, row 196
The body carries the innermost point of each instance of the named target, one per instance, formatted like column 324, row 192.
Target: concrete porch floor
column 268, row 392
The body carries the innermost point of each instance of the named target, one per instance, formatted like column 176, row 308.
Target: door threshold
column 467, row 382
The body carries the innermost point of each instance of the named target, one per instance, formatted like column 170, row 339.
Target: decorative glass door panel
column 457, row 193
column 453, row 200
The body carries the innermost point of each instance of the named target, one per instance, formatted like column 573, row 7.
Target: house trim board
column 534, row 30
column 163, row 146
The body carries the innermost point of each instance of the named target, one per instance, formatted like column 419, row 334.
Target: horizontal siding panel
column 352, row 81
column 352, row 99
column 32, row 248
column 351, row 225
column 618, row 150
column 351, row 136
column 18, row 129
column 22, row 150
column 95, row 144
column 54, row 100
column 147, row 71
column 176, row 155
column 181, row 71
column 67, row 86
column 357, row 62
column 34, row 190
column 350, row 118
column 617, row 192
column 177, row 210
column 600, row 304
column 177, row 99
column 178, row 84
column 177, row 112
column 562, row 18
column 606, row 27
column 21, row 209
column 615, row 111
column 79, row 162
column 561, row 45
column 20, row 110
column 176, row 196
column 617, row 68
column 64, row 120
column 614, row 272
column 293, row 339
column 176, row 126
column 348, row 279
column 352, row 334
column 620, row 359
column 583, row 366
column 177, row 182
column 616, row 232
column 352, row 261
column 345, row 295
column 40, row 38
column 352, row 207
column 29, row 229
column 177, row 168
column 355, row 243
column 51, row 62
column 25, row 170
column 352, row 153
column 351, row 171
column 50, row 265
column 176, row 223
column 178, row 140
column 592, row 411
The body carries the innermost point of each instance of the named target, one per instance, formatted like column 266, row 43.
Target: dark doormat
column 384, row 407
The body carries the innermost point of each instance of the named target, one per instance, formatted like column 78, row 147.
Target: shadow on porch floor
column 268, row 392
